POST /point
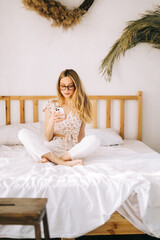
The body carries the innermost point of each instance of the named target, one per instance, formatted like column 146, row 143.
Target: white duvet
column 81, row 198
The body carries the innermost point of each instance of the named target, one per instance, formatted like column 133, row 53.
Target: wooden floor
column 108, row 237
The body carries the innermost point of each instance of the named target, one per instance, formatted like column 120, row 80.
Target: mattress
column 124, row 177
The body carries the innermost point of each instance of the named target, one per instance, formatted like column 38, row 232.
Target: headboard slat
column 94, row 124
column 8, row 118
column 108, row 111
column 122, row 118
column 139, row 135
column 35, row 110
column 22, row 116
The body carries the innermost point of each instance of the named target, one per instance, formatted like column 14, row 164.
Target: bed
column 117, row 191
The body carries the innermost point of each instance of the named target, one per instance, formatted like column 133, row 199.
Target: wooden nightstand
column 25, row 211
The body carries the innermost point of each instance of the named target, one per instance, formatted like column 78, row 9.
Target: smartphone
column 60, row 110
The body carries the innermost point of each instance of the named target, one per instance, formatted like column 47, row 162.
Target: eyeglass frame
column 69, row 87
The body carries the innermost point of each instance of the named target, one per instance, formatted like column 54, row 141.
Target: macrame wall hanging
column 144, row 30
column 58, row 13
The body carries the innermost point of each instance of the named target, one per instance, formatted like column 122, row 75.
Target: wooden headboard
column 94, row 100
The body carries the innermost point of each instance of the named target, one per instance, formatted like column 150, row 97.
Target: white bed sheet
column 81, row 198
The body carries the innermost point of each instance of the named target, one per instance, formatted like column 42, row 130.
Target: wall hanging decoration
column 58, row 13
column 144, row 30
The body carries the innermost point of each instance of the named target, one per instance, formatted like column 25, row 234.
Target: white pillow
column 108, row 136
column 9, row 133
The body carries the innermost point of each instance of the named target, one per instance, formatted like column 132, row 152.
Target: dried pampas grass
column 58, row 13
column 144, row 30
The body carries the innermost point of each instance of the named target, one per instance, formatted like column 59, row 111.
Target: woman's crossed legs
column 71, row 158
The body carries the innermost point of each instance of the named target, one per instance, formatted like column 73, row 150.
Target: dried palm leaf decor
column 144, row 30
column 58, row 13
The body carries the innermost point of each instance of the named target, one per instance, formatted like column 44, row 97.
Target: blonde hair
column 79, row 100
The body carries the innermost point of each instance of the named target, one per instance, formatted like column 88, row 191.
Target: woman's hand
column 50, row 120
column 56, row 117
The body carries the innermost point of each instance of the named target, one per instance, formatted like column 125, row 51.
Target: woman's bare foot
column 59, row 161
column 74, row 162
column 47, row 157
column 69, row 162
column 44, row 160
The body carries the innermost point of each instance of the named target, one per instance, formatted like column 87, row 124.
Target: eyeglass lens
column 69, row 87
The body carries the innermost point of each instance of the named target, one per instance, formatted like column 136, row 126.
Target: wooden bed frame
column 117, row 224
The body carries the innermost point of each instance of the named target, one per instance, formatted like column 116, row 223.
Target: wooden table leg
column 45, row 226
column 38, row 231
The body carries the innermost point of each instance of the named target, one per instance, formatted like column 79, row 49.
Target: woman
column 65, row 132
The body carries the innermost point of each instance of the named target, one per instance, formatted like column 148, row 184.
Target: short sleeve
column 49, row 106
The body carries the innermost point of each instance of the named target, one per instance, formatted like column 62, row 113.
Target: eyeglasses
column 69, row 87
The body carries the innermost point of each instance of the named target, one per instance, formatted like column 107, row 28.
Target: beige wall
column 32, row 54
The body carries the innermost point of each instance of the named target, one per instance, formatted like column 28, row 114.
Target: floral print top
column 69, row 127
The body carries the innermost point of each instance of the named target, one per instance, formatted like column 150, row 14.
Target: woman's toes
column 44, row 160
column 76, row 162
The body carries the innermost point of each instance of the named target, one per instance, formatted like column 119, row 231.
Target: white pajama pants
column 37, row 147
